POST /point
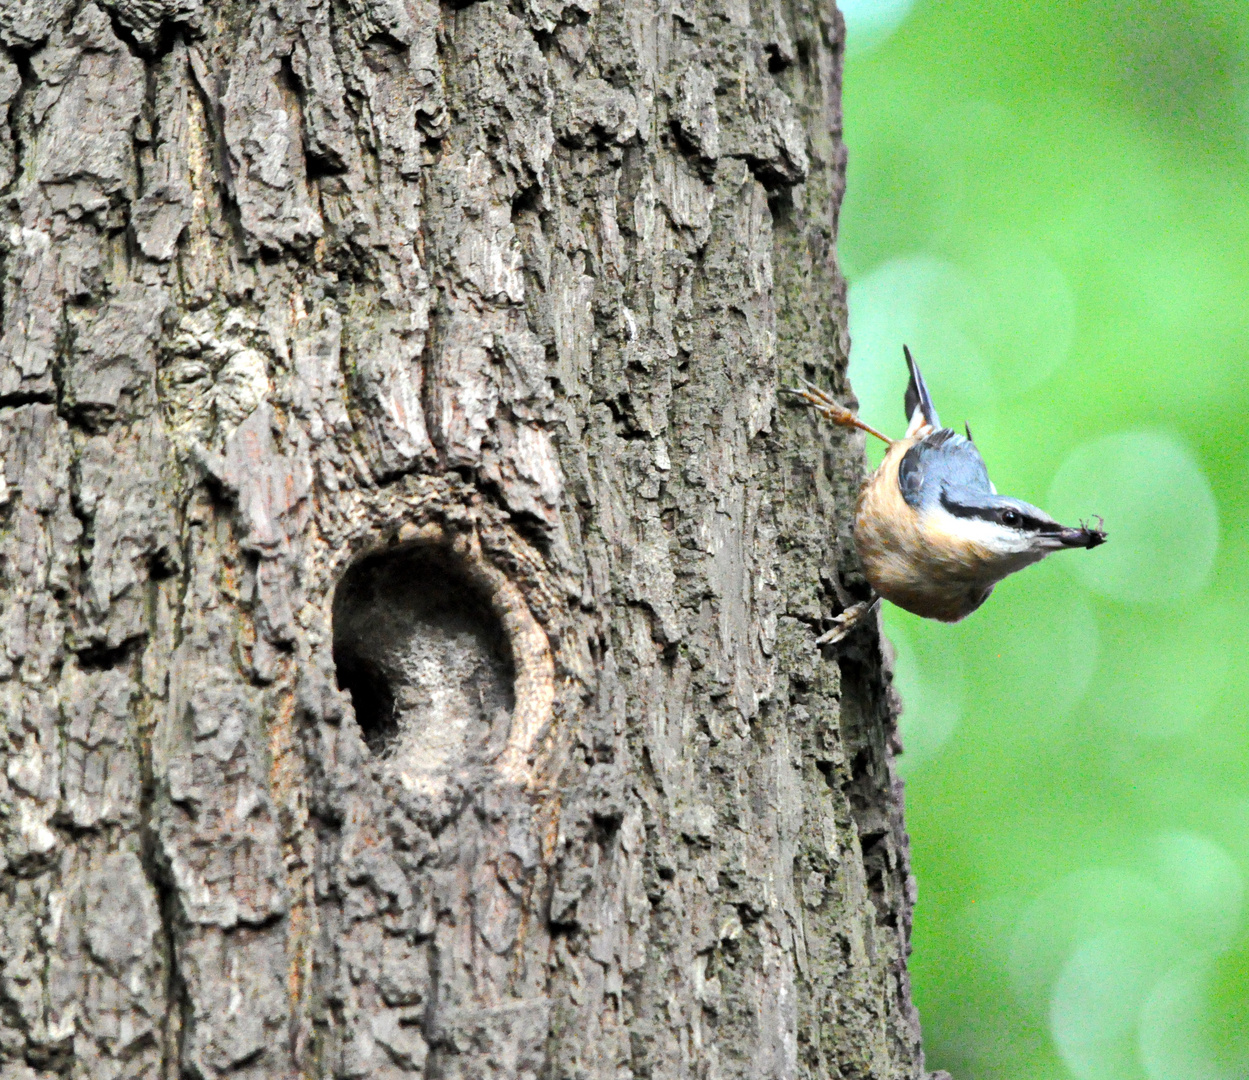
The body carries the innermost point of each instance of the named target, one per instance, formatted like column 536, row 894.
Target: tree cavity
column 426, row 661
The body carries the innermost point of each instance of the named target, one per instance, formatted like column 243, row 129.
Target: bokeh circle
column 870, row 22
column 932, row 306
column 1159, row 511
column 931, row 686
column 1185, row 1030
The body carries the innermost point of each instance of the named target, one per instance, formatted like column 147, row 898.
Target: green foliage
column 1049, row 202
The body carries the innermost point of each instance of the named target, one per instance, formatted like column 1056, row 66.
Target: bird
column 932, row 533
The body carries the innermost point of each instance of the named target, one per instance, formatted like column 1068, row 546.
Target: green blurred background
column 1049, row 202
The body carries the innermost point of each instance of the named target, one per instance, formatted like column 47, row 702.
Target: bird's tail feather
column 917, row 397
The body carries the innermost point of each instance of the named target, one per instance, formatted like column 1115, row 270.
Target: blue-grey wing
column 944, row 459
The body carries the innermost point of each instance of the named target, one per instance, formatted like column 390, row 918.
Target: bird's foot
column 831, row 410
column 848, row 620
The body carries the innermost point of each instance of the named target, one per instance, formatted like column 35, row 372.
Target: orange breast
column 926, row 571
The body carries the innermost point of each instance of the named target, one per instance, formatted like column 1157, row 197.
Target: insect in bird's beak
column 1084, row 536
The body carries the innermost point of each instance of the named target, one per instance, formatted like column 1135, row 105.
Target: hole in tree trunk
column 371, row 696
column 426, row 663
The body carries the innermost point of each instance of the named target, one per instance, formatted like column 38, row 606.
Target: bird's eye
column 1010, row 517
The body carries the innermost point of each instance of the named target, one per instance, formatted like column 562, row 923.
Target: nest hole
column 425, row 661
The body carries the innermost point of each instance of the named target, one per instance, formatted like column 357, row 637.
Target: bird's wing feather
column 944, row 459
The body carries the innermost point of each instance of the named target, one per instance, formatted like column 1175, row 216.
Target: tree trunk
column 410, row 582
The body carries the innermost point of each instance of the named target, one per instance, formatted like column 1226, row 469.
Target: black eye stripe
column 1037, row 525
column 1025, row 523
column 984, row 513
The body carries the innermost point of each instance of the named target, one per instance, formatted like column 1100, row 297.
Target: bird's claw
column 847, row 621
column 823, row 403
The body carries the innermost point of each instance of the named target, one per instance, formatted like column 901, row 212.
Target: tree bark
column 409, row 579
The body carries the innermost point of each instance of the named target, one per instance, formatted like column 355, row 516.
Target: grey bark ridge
column 408, row 583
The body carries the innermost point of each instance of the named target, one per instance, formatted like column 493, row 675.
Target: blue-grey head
column 943, row 477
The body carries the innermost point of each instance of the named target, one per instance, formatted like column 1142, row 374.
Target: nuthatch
column 933, row 534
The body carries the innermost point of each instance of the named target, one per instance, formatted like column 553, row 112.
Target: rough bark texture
column 408, row 581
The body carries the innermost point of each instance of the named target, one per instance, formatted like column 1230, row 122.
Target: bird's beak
column 1083, row 537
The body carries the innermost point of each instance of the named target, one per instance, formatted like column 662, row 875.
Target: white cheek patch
column 989, row 535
